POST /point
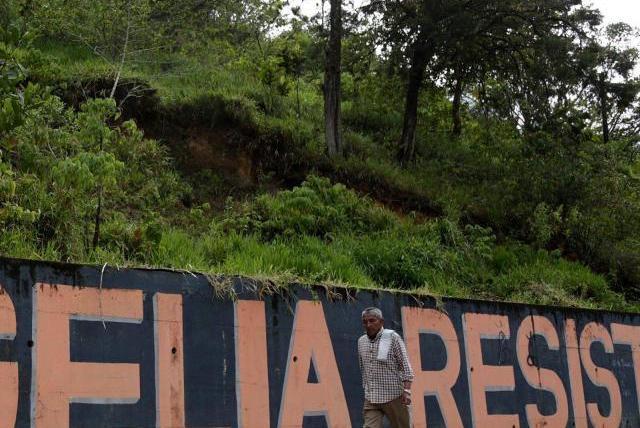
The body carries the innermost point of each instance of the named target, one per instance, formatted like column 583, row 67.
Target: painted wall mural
column 83, row 347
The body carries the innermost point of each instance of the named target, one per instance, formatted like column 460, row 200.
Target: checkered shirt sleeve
column 382, row 380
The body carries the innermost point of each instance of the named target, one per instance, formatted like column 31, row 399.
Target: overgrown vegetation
column 194, row 139
column 325, row 233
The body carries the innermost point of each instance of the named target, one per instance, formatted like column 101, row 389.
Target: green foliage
column 306, row 259
column 57, row 163
column 316, row 208
column 427, row 256
column 108, row 26
column 271, row 72
column 272, row 75
column 320, row 232
column 545, row 224
column 547, row 279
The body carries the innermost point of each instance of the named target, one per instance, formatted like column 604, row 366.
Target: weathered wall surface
column 155, row 348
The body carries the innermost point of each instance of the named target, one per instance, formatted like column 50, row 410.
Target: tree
column 464, row 39
column 607, row 64
column 292, row 50
column 8, row 13
column 332, row 76
column 536, row 83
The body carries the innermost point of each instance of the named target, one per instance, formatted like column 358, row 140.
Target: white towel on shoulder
column 385, row 344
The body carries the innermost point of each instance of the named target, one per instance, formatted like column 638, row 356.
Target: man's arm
column 404, row 368
column 360, row 364
column 402, row 360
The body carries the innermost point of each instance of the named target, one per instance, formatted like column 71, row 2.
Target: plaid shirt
column 382, row 380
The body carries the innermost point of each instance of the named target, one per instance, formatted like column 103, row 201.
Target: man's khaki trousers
column 397, row 413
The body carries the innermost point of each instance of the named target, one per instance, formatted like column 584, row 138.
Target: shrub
column 316, row 208
column 60, row 165
column 417, row 256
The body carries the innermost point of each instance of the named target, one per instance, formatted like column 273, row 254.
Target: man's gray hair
column 374, row 312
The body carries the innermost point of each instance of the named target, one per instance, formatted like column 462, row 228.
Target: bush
column 420, row 256
column 316, row 208
column 307, row 259
column 400, row 261
column 517, row 272
column 625, row 265
column 59, row 165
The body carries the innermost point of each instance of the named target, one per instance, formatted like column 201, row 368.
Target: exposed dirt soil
column 221, row 158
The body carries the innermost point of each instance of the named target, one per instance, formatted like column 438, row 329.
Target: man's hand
column 406, row 398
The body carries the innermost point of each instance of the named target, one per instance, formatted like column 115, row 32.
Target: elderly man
column 386, row 373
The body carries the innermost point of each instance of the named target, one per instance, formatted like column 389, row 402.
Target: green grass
column 71, row 61
column 431, row 269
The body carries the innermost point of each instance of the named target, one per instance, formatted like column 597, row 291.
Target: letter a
column 311, row 343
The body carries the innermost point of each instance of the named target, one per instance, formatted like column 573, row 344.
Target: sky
column 619, row 10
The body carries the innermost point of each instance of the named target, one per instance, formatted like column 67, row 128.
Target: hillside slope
column 208, row 170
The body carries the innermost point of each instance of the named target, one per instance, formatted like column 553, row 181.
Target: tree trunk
column 457, row 103
column 604, row 108
column 483, row 98
column 419, row 61
column 332, row 82
column 96, row 228
column 298, row 106
column 98, row 218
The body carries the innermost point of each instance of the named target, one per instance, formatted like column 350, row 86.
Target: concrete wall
column 154, row 348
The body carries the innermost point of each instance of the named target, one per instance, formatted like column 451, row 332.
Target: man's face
column 372, row 324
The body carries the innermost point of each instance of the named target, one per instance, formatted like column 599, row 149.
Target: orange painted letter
column 56, row 381
column 575, row 374
column 539, row 378
column 594, row 332
column 167, row 328
column 252, row 376
column 311, row 344
column 8, row 371
column 438, row 383
column 483, row 378
column 630, row 335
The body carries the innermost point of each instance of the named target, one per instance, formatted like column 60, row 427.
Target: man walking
column 386, row 373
